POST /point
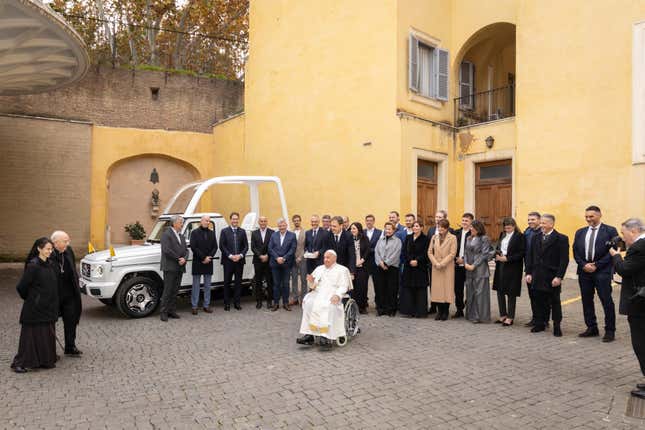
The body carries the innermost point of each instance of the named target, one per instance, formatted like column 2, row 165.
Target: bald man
column 69, row 293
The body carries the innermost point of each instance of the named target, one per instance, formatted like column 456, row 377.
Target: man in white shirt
column 299, row 270
column 322, row 308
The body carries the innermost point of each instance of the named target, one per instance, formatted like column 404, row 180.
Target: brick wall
column 45, row 177
column 123, row 98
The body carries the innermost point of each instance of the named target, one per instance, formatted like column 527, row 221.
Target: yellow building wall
column 574, row 110
column 110, row 145
column 319, row 110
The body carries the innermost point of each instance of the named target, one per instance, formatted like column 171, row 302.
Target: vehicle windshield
column 157, row 230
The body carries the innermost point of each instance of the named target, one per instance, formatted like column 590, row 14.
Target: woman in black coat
column 509, row 258
column 413, row 300
column 362, row 251
column 204, row 246
column 38, row 287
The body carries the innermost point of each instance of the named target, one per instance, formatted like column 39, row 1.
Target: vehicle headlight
column 98, row 271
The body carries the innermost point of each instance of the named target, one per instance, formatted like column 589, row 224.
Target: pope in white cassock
column 322, row 308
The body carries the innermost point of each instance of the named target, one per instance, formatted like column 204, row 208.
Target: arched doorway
column 130, row 190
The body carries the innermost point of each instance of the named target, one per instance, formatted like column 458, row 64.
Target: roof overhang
column 39, row 50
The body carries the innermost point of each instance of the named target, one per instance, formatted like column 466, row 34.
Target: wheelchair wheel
column 351, row 318
column 342, row 341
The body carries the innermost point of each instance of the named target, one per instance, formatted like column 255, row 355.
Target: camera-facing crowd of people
column 404, row 261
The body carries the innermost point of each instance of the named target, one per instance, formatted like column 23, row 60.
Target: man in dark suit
column 595, row 272
column 545, row 271
column 69, row 295
column 342, row 243
column 373, row 235
column 282, row 254
column 532, row 231
column 316, row 241
column 174, row 254
column 632, row 304
column 462, row 234
column 260, row 247
column 233, row 245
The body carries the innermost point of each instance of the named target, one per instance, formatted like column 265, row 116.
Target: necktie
column 313, row 236
column 235, row 241
column 337, row 236
column 591, row 241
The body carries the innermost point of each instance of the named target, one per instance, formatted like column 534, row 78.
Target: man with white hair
column 69, row 294
column 322, row 308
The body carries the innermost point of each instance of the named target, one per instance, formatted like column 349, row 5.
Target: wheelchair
column 351, row 321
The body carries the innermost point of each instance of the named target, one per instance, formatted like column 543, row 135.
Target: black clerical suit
column 549, row 258
column 343, row 245
column 233, row 241
column 69, row 294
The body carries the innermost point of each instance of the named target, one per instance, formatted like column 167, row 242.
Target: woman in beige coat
column 441, row 252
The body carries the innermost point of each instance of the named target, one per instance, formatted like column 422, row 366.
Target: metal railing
column 486, row 106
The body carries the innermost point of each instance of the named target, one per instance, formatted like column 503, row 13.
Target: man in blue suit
column 233, row 245
column 595, row 272
column 282, row 252
column 373, row 235
column 316, row 241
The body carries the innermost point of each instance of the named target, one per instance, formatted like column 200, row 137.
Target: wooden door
column 426, row 192
column 493, row 195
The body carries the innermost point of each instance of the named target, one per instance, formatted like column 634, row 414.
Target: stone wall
column 136, row 99
column 45, row 177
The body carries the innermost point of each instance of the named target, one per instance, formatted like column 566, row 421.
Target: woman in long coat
column 477, row 252
column 509, row 260
column 38, row 287
column 442, row 251
column 362, row 252
column 413, row 300
column 204, row 246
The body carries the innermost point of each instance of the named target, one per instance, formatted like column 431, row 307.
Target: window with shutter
column 442, row 73
column 413, row 64
column 466, row 84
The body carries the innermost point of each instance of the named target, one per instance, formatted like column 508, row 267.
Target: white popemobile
column 132, row 280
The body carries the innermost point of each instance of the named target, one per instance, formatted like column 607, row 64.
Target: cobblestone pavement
column 243, row 369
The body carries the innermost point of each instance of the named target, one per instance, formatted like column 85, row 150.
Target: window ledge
column 437, row 104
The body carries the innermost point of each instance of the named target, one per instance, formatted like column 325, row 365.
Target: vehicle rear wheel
column 138, row 297
column 107, row 302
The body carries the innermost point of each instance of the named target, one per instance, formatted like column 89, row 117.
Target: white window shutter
column 442, row 67
column 413, row 64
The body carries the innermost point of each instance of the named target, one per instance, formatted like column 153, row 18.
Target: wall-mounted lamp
column 490, row 141
column 367, row 143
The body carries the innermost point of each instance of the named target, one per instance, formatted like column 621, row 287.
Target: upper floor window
column 466, row 85
column 428, row 69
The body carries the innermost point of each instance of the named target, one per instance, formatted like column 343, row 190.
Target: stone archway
column 130, row 190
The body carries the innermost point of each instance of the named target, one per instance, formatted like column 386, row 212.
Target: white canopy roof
column 39, row 50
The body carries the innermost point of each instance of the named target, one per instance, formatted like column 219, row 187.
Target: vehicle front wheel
column 138, row 297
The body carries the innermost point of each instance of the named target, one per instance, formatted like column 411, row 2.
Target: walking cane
column 53, row 330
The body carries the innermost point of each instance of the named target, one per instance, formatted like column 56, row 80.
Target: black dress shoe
column 173, row 315
column 238, row 307
column 275, row 308
column 638, row 393
column 609, row 336
column 227, row 307
column 163, row 317
column 458, row 314
column 557, row 332
column 19, row 369
column 537, row 328
column 258, row 305
column 73, row 352
column 640, row 386
column 286, row 307
column 437, row 317
column 305, row 340
column 590, row 332
column 529, row 324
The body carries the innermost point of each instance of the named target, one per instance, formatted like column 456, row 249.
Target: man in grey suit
column 174, row 254
column 299, row 269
